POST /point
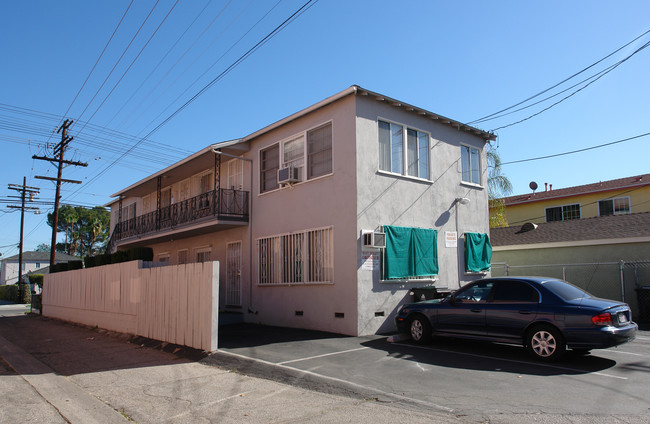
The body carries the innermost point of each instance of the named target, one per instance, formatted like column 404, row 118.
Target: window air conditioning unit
column 374, row 239
column 288, row 175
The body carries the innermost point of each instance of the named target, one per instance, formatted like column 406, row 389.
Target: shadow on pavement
column 492, row 357
column 253, row 335
column 71, row 349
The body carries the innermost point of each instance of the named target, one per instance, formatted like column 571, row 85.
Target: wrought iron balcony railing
column 220, row 204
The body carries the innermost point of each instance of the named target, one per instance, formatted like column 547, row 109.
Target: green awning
column 410, row 252
column 478, row 252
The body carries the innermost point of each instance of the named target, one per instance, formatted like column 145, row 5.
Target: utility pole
column 23, row 189
column 59, row 149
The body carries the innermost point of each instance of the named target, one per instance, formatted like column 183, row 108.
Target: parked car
column 545, row 315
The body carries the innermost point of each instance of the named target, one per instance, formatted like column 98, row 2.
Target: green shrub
column 75, row 265
column 90, row 261
column 25, row 293
column 120, row 256
column 9, row 292
column 141, row 253
column 60, row 267
column 36, row 279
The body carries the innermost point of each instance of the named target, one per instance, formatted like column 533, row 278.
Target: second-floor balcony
column 224, row 205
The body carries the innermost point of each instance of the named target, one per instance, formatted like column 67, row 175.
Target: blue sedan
column 545, row 315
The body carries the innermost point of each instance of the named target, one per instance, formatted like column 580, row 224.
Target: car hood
column 596, row 303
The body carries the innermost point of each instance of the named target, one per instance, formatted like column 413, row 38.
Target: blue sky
column 463, row 60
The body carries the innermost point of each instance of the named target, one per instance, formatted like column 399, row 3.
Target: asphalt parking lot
column 463, row 378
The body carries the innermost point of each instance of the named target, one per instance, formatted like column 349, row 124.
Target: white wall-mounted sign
column 451, row 239
column 370, row 261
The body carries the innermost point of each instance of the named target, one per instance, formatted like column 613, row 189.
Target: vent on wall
column 373, row 239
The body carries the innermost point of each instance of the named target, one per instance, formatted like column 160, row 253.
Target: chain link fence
column 628, row 281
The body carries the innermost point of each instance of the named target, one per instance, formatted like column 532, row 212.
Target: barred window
column 297, row 258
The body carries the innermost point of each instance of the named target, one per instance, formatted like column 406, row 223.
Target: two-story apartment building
column 325, row 219
column 603, row 198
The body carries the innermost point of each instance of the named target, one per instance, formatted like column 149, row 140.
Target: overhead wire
column 243, row 57
column 484, row 118
column 577, row 91
column 576, row 151
column 131, row 64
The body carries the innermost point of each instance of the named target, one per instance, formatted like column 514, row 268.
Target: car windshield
column 566, row 291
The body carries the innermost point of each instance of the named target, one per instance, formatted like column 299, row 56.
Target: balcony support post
column 158, row 194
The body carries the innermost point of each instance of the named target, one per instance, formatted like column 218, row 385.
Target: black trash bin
column 425, row 293
column 643, row 298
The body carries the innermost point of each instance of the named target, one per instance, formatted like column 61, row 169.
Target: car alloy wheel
column 546, row 343
column 420, row 330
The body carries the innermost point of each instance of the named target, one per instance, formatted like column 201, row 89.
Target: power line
column 576, row 151
column 243, row 57
column 487, row 117
column 577, row 91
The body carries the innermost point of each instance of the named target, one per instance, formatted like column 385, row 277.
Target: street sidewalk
column 56, row 372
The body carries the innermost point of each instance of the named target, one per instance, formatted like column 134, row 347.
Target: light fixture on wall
column 462, row 200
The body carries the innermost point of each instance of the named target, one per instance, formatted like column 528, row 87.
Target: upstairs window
column 393, row 144
column 562, row 213
column 618, row 206
column 470, row 164
column 312, row 158
column 319, row 151
column 269, row 168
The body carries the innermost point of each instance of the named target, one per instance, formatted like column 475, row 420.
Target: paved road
column 60, row 372
column 466, row 379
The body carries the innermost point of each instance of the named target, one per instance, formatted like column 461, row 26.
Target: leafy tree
column 43, row 247
column 499, row 186
column 86, row 230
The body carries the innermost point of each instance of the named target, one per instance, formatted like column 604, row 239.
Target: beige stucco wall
column 323, row 202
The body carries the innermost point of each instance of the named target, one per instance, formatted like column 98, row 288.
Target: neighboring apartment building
column 298, row 213
column 32, row 261
column 605, row 198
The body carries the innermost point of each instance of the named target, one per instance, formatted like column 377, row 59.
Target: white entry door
column 233, row 274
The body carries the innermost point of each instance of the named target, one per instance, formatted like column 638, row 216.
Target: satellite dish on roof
column 533, row 186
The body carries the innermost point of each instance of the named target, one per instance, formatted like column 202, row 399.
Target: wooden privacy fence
column 176, row 303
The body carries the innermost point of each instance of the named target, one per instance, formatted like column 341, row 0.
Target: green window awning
column 410, row 252
column 478, row 252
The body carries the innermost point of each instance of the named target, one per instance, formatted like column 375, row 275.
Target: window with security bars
column 183, row 256
column 203, row 255
column 298, row 258
column 563, row 213
column 618, row 206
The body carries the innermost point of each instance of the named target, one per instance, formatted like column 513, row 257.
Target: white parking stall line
column 625, row 353
column 515, row 361
column 349, row 383
column 646, row 339
column 321, row 356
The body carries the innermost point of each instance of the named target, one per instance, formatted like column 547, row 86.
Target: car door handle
column 525, row 312
column 476, row 310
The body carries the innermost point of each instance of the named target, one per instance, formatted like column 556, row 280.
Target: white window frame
column 298, row 258
column 403, row 162
column 472, row 169
column 613, row 200
column 273, row 170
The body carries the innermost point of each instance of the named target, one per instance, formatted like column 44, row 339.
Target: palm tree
column 499, row 186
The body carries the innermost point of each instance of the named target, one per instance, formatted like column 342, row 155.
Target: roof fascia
column 552, row 245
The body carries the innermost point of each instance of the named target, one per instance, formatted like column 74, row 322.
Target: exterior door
column 233, row 274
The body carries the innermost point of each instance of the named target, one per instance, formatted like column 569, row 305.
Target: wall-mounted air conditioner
column 289, row 175
column 373, row 239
